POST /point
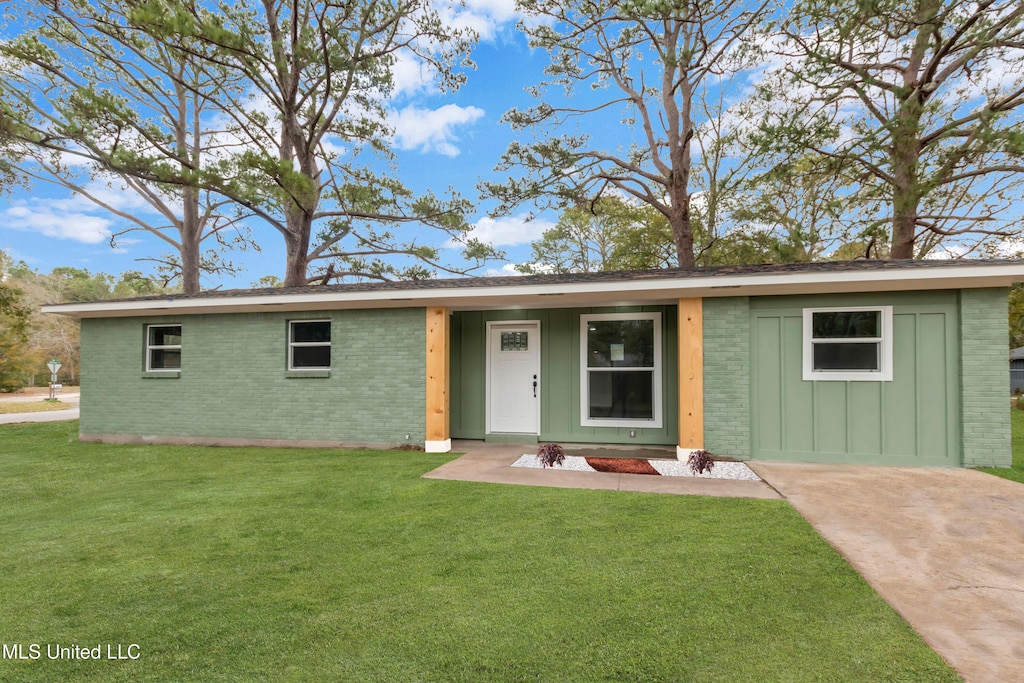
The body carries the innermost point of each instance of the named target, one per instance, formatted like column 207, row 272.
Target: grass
column 238, row 564
column 7, row 407
column 1016, row 472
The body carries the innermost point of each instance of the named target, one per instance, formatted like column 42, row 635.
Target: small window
column 163, row 348
column 848, row 344
column 620, row 370
column 515, row 341
column 309, row 345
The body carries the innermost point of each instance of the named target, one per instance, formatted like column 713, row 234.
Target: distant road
column 51, row 416
column 71, row 413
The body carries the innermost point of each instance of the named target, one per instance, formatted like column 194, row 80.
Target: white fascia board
column 654, row 289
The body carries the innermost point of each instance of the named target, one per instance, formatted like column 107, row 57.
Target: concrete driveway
column 944, row 547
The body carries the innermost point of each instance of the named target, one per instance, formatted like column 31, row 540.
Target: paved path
column 944, row 547
column 491, row 463
column 46, row 415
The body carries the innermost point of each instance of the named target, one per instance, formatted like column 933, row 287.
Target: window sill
column 307, row 374
column 167, row 374
column 621, row 423
column 848, row 377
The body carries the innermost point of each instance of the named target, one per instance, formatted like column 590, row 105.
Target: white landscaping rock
column 723, row 469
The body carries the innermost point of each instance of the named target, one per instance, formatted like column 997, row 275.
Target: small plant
column 700, row 462
column 550, row 454
column 1019, row 403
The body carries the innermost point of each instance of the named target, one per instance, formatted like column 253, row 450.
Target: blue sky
column 441, row 140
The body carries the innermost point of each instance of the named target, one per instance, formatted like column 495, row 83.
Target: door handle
column 535, row 386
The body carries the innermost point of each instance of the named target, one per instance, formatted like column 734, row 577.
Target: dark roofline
column 859, row 265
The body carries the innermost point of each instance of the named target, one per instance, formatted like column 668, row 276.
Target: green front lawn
column 8, row 407
column 236, row 564
column 1015, row 473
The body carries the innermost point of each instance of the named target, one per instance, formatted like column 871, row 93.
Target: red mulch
column 622, row 465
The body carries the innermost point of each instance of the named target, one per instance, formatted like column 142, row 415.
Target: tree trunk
column 680, row 135
column 906, row 190
column 906, row 137
column 296, row 242
column 682, row 232
column 191, row 233
column 679, row 191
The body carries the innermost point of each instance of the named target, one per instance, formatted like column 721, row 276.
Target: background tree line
column 28, row 338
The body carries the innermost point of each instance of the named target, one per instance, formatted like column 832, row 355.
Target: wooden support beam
column 438, row 437
column 691, row 376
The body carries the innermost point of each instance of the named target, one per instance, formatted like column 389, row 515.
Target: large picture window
column 309, row 345
column 848, row 344
column 620, row 370
column 163, row 348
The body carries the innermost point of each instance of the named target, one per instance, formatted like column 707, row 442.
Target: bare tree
column 310, row 126
column 648, row 59
column 918, row 102
column 93, row 99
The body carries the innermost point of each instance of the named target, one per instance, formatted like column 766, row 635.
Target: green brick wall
column 234, row 382
column 727, row 376
column 986, row 411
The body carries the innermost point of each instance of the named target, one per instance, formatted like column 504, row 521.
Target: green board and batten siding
column 560, row 375
column 234, row 382
column 912, row 420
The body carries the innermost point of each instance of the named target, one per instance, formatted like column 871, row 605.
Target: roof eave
column 618, row 292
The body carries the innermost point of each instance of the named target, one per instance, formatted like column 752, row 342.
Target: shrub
column 550, row 454
column 700, row 462
column 1019, row 403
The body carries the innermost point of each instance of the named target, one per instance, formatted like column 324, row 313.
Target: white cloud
column 411, row 75
column 509, row 230
column 432, row 130
column 79, row 227
column 506, row 270
column 486, row 17
column 115, row 194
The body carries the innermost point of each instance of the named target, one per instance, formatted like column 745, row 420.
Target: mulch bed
column 622, row 466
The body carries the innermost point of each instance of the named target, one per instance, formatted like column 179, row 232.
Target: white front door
column 513, row 377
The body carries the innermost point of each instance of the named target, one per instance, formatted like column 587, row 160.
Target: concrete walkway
column 45, row 416
column 944, row 547
column 492, row 463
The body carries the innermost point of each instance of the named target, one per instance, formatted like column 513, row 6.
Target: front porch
column 491, row 463
column 471, row 393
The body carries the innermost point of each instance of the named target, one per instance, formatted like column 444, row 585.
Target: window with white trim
column 163, row 348
column 309, row 345
column 620, row 370
column 848, row 344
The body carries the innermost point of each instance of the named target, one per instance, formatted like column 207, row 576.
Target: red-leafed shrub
column 700, row 462
column 550, row 454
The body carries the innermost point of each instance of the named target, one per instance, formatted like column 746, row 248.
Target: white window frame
column 883, row 374
column 161, row 347
column 294, row 344
column 656, row 384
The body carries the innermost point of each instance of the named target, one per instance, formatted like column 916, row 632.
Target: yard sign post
column 54, row 366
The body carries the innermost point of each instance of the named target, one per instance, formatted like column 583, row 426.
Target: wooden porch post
column 438, row 437
column 691, row 377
